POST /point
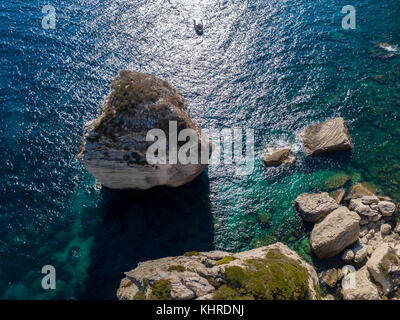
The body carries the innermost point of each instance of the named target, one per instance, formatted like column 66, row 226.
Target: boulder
column 331, row 135
column 362, row 209
column 360, row 254
column 386, row 228
column 358, row 191
column 358, row 286
column 384, row 267
column 278, row 157
column 115, row 144
column 348, row 256
column 336, row 232
column 331, row 277
column 313, row 207
column 209, row 275
column 386, row 208
column 369, row 200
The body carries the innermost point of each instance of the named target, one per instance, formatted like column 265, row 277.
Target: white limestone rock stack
column 114, row 144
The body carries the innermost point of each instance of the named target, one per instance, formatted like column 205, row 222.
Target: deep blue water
column 274, row 66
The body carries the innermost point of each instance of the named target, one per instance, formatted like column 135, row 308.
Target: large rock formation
column 114, row 144
column 271, row 272
column 335, row 232
column 313, row 207
column 331, row 135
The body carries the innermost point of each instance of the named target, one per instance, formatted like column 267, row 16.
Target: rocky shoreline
column 364, row 231
column 360, row 229
column 356, row 224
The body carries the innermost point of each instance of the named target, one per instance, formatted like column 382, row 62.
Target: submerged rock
column 114, row 145
column 335, row 232
column 359, row 190
column 331, row 135
column 313, row 207
column 335, row 181
column 219, row 275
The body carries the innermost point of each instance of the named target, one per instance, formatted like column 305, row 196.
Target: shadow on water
column 145, row 225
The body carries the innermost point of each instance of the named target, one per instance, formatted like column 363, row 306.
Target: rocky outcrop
column 364, row 210
column 115, row 143
column 313, row 207
column 384, row 266
column 331, row 135
column 335, row 232
column 372, row 238
column 278, row 156
column 222, row 275
column 358, row 286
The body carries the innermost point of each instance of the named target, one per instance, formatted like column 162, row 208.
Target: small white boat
column 198, row 27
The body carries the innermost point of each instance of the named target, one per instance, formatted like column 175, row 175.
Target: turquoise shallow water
column 273, row 66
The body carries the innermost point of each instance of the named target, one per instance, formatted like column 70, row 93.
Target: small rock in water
column 278, row 157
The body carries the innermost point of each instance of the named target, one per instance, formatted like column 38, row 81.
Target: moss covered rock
column 274, row 277
column 270, row 272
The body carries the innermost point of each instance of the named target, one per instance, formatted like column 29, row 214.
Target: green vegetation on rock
column 161, row 290
column 335, row 181
column 276, row 277
column 225, row 260
column 191, row 253
column 178, row 268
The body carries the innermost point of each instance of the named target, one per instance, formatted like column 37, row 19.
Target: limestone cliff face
column 220, row 275
column 114, row 144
